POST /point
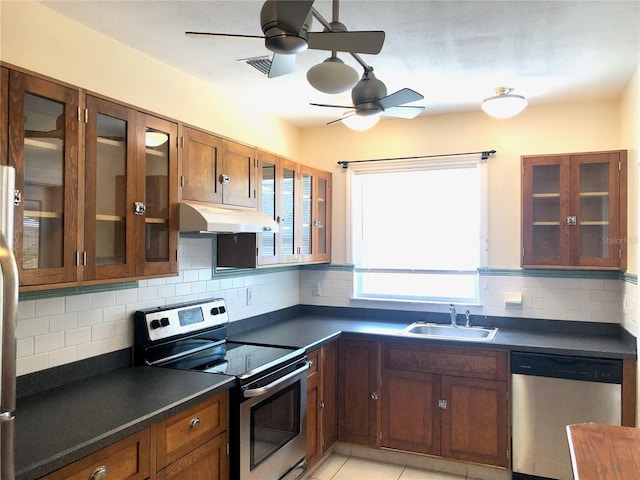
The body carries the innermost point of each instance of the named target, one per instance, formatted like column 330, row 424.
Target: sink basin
column 435, row 330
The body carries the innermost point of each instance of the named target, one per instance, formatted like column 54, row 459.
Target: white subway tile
column 24, row 347
column 77, row 336
column 103, row 299
column 61, row 357
column 26, row 309
column 31, row 327
column 60, row 323
column 76, row 303
column 49, row 306
column 49, row 342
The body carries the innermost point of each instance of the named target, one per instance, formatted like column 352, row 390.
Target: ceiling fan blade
column 340, row 119
column 209, row 34
column 281, row 65
column 354, row 42
column 291, row 14
column 333, row 106
column 403, row 112
column 400, row 97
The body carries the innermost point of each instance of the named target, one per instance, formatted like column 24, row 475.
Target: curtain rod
column 485, row 156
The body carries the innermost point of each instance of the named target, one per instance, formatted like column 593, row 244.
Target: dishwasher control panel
column 586, row 369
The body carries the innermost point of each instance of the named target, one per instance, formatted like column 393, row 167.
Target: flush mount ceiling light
column 332, row 76
column 504, row 104
column 360, row 122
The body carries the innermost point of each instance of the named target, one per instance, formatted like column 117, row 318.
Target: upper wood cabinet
column 4, row 114
column 126, row 199
column 216, row 170
column 280, row 199
column 43, row 146
column 574, row 210
column 316, row 215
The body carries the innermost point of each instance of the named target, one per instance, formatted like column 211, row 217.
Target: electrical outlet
column 249, row 295
column 315, row 289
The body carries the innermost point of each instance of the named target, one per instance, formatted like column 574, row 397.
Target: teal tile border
column 62, row 292
column 504, row 272
column 559, row 273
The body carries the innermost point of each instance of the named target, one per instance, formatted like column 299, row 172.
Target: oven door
column 273, row 438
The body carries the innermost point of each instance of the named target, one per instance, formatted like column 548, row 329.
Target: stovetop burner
column 192, row 336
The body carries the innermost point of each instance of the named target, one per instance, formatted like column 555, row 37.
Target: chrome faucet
column 452, row 312
column 467, row 316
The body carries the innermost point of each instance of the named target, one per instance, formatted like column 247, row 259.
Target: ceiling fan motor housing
column 277, row 38
column 367, row 94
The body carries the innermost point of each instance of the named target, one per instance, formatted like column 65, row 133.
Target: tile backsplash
column 56, row 330
column 575, row 299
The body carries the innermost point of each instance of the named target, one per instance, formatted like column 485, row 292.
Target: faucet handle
column 467, row 315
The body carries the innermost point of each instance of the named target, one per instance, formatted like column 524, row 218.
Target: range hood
column 205, row 217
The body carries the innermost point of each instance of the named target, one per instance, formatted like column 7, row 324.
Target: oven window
column 274, row 422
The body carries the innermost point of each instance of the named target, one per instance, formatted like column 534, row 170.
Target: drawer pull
column 194, row 423
column 99, row 473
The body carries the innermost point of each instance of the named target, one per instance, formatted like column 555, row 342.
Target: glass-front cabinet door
column 279, row 185
column 43, row 147
column 110, row 146
column 155, row 205
column 574, row 210
column 316, row 211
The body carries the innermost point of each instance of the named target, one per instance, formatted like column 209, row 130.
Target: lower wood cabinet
column 446, row 401
column 358, row 387
column 322, row 408
column 190, row 445
column 128, row 459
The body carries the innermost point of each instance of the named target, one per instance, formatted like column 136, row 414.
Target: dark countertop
column 312, row 331
column 59, row 426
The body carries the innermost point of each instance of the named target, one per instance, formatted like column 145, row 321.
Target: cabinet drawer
column 127, row 459
column 178, row 435
column 208, row 461
column 457, row 361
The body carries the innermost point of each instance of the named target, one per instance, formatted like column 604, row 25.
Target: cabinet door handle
column 17, row 197
column 321, row 404
column 224, row 179
column 572, row 220
column 442, row 404
column 194, row 423
column 99, row 473
column 139, row 208
column 374, row 395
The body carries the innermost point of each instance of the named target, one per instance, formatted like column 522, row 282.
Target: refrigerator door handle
column 9, row 313
column 8, row 373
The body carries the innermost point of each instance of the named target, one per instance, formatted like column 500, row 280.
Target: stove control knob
column 222, row 309
column 164, row 322
column 215, row 311
column 155, row 324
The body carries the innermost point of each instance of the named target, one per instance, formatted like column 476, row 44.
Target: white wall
column 578, row 127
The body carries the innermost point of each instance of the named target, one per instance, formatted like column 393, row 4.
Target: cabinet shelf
column 52, row 144
column 155, row 220
column 593, row 223
column 545, row 224
column 546, row 195
column 42, row 214
column 111, row 142
column 110, row 218
column 594, row 194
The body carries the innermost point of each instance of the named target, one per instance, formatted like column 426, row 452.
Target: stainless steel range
column 268, row 419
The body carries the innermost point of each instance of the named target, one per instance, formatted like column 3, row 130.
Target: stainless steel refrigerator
column 9, row 299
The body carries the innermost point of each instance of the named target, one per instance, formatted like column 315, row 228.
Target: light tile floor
column 343, row 467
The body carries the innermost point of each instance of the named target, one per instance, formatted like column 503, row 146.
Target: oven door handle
column 256, row 392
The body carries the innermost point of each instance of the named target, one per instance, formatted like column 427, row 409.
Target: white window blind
column 418, row 232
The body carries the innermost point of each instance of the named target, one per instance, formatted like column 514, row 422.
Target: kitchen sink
column 435, row 330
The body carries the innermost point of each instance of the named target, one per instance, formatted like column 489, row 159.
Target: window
column 418, row 231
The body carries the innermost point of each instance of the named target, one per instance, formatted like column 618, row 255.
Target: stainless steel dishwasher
column 550, row 392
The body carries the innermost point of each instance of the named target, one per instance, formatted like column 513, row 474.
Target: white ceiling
column 453, row 52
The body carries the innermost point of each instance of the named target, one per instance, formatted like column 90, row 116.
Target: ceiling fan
column 286, row 23
column 369, row 97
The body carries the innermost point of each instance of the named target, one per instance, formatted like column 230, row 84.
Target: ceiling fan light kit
column 332, row 76
column 504, row 104
column 360, row 122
